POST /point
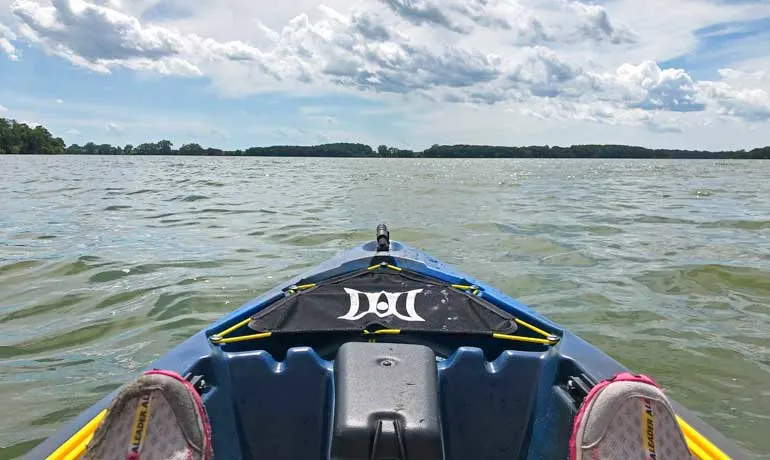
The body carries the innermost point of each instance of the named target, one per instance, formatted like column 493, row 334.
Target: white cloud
column 740, row 77
column 664, row 89
column 68, row 27
column 419, row 12
column 666, row 28
column 114, row 129
column 545, row 73
column 568, row 21
column 547, row 59
column 304, row 48
column 596, row 24
column 545, row 85
column 746, row 104
column 3, row 109
column 602, row 113
column 7, row 36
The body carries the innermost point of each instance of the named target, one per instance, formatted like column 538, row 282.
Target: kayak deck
column 495, row 384
column 499, row 380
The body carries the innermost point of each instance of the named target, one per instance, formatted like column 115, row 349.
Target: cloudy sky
column 407, row 73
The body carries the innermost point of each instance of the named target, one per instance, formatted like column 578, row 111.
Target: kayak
column 469, row 372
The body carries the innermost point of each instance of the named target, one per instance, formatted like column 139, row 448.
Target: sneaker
column 627, row 417
column 160, row 416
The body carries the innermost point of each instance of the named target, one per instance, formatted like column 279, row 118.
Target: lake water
column 107, row 262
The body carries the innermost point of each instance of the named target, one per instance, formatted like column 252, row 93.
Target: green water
column 107, row 262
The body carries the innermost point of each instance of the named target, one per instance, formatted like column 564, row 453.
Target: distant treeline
column 19, row 138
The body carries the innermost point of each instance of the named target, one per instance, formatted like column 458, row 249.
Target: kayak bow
column 288, row 375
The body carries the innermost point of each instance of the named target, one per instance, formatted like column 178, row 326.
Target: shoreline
column 230, row 155
column 21, row 139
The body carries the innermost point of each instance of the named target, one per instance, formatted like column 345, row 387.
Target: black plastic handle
column 383, row 238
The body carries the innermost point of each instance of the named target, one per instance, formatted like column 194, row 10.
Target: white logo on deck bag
column 382, row 307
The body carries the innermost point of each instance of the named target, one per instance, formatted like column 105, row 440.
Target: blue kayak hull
column 255, row 397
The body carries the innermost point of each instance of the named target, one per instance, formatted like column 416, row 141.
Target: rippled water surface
column 107, row 262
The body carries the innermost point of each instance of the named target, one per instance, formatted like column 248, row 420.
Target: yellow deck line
column 531, row 327
column 75, row 446
column 241, row 338
column 699, row 445
column 521, row 338
column 232, row 328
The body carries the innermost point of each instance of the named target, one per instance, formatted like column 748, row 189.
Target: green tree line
column 19, row 138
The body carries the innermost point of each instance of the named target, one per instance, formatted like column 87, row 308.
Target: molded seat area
column 487, row 406
column 284, row 410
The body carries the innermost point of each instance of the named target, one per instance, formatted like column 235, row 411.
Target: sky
column 691, row 74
